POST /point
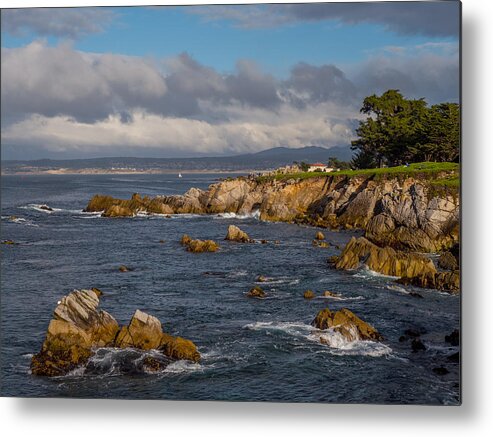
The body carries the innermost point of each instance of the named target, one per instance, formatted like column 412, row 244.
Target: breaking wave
column 337, row 344
column 231, row 215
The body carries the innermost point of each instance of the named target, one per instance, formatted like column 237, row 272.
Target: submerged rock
column 124, row 269
column 78, row 328
column 308, row 294
column 236, row 234
column 261, row 278
column 346, row 323
column 320, row 243
column 46, row 208
column 417, row 345
column 8, row 242
column 256, row 292
column 328, row 293
column 453, row 338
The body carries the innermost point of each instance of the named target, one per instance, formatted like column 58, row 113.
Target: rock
column 385, row 260
column 319, row 236
column 77, row 326
column 440, row 370
column 264, row 241
column 124, row 269
column 199, row 246
column 161, row 241
column 185, row 240
column 453, row 338
column 412, row 332
column 447, row 261
column 332, row 260
column 236, row 234
column 45, row 208
column 152, row 364
column 179, row 348
column 320, row 243
column 443, row 281
column 328, row 293
column 308, row 294
column 346, row 323
column 256, row 292
column 417, row 345
column 261, row 278
column 277, row 242
column 454, row 358
column 8, row 242
column 143, row 332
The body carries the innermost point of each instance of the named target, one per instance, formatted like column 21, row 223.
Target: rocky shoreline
column 404, row 218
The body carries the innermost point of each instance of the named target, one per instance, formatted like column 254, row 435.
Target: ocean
column 252, row 349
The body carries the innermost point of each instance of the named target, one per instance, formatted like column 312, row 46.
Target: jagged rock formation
column 236, row 234
column 406, row 214
column 387, row 260
column 78, row 327
column 256, row 292
column 443, row 281
column 348, row 324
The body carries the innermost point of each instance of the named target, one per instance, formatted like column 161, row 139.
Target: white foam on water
column 341, row 298
column 182, row 366
column 397, row 288
column 366, row 273
column 19, row 221
column 37, row 207
column 337, row 344
column 231, row 215
column 279, row 280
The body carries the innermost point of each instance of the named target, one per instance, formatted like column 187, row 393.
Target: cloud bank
column 60, row 100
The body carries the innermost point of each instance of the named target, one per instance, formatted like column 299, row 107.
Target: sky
column 213, row 80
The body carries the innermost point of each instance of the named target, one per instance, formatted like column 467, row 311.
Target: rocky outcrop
column 319, row 236
column 236, row 234
column 145, row 332
column 78, row 328
column 386, row 260
column 256, row 292
column 443, row 281
column 198, row 246
column 345, row 322
column 405, row 213
column 448, row 261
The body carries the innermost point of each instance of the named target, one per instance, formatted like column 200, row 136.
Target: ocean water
column 252, row 350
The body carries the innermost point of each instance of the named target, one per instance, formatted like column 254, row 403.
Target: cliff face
column 407, row 214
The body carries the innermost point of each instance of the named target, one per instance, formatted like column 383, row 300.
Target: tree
column 399, row 130
column 336, row 163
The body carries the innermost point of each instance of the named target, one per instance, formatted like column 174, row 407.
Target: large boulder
column 236, row 234
column 143, row 332
column 77, row 326
column 345, row 322
column 199, row 246
column 448, row 261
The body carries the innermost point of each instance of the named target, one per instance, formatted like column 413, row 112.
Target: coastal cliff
column 405, row 212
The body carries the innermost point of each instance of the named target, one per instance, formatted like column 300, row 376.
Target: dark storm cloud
column 60, row 22
column 310, row 84
column 440, row 18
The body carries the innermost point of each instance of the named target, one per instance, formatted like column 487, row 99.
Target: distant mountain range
column 267, row 159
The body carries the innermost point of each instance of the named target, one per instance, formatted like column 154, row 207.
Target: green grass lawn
column 430, row 170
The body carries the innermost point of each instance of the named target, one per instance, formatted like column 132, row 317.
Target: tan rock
column 199, row 246
column 143, row 332
column 346, row 323
column 236, row 234
column 319, row 236
column 308, row 294
column 256, row 292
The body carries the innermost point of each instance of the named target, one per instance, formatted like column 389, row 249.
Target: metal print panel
column 236, row 202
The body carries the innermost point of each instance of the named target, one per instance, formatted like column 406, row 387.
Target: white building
column 320, row 167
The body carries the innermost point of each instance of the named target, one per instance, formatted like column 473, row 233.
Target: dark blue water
column 258, row 350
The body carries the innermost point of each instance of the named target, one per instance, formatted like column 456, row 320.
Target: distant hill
column 267, row 159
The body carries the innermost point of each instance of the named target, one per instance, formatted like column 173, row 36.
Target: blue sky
column 241, row 78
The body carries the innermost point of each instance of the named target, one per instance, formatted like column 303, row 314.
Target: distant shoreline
column 121, row 172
